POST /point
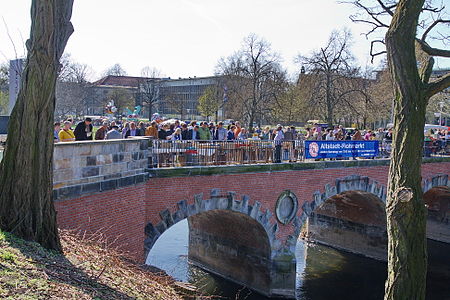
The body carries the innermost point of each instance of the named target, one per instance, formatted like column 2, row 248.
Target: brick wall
column 119, row 214
column 123, row 213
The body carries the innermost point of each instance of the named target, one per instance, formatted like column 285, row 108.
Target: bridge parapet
column 96, row 166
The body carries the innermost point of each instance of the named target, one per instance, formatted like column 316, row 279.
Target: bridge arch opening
column 232, row 245
column 233, row 238
column 223, row 242
column 353, row 220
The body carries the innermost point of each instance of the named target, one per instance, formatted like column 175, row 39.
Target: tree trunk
column 250, row 123
column 26, row 184
column 406, row 214
column 150, row 110
column 329, row 102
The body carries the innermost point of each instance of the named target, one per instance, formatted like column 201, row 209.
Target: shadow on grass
column 75, row 278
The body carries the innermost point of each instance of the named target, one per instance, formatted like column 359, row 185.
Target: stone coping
column 259, row 168
column 74, row 191
column 114, row 141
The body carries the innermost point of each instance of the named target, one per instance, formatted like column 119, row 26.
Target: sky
column 186, row 38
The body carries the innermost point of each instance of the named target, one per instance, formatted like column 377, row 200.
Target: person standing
column 141, row 129
column 330, row 136
column 278, row 140
column 230, row 133
column 113, row 123
column 176, row 136
column 193, row 133
column 265, row 134
column 164, row 132
column 133, row 131
column 204, row 133
column 101, row 132
column 152, row 130
column 289, row 135
column 389, row 135
column 237, row 129
column 357, row 135
column 242, row 134
column 83, row 131
column 56, row 130
column 184, row 131
column 368, row 135
column 114, row 133
column 220, row 133
column 66, row 134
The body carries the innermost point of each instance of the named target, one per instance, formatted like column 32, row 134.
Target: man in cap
column 114, row 133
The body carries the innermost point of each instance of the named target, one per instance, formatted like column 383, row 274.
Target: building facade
column 179, row 97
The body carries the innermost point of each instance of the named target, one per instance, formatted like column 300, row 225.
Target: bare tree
column 149, row 90
column 151, row 72
column 331, row 71
column 368, row 101
column 26, row 184
column 175, row 103
column 410, row 24
column 71, row 99
column 72, row 88
column 381, row 93
column 210, row 101
column 252, row 78
column 115, row 70
column 72, row 71
column 290, row 106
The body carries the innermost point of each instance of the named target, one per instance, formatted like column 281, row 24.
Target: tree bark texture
column 406, row 213
column 26, row 182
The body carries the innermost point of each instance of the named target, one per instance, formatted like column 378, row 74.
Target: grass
column 88, row 269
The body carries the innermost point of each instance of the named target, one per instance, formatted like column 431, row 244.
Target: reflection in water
column 322, row 272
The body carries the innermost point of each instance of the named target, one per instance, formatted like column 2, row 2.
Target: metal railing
column 205, row 153
column 240, row 152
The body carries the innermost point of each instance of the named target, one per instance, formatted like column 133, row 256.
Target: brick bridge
column 244, row 221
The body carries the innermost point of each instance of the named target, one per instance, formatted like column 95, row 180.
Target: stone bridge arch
column 268, row 268
column 364, row 184
column 216, row 201
column 348, row 215
column 434, row 181
column 348, row 183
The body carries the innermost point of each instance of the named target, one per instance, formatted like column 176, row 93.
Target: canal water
column 325, row 274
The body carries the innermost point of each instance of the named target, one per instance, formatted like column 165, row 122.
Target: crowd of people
column 201, row 131
column 208, row 131
column 339, row 133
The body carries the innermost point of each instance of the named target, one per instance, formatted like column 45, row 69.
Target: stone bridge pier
column 237, row 240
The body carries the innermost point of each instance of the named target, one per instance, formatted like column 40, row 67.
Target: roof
column 123, row 81
column 133, row 82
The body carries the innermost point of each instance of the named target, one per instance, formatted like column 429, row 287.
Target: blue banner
column 336, row 149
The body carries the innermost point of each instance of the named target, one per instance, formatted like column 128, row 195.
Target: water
column 325, row 274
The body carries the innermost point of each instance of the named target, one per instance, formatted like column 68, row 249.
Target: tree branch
column 426, row 70
column 438, row 21
column 373, row 55
column 433, row 51
column 387, row 9
column 438, row 85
